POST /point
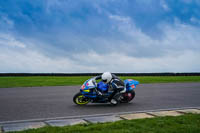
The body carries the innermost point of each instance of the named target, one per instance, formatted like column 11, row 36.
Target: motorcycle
column 89, row 93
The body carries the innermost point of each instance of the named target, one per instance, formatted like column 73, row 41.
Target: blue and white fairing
column 87, row 85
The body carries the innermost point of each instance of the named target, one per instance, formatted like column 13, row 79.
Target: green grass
column 6, row 82
column 41, row 81
column 165, row 79
column 189, row 123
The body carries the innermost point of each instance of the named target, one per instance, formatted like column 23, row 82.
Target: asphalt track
column 49, row 102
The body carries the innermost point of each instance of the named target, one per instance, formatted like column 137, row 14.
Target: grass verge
column 189, row 123
column 6, row 82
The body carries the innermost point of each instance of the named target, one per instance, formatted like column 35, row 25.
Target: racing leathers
column 115, row 85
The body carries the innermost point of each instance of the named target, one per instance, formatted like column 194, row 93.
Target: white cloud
column 195, row 20
column 7, row 39
column 180, row 37
column 31, row 61
column 122, row 19
column 176, row 51
column 116, row 62
column 7, row 21
column 175, row 39
column 164, row 5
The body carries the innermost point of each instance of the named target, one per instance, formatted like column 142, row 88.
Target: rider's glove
column 99, row 93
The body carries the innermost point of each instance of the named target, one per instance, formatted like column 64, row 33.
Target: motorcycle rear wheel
column 128, row 96
column 80, row 99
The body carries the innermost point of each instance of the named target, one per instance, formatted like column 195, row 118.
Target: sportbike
column 89, row 93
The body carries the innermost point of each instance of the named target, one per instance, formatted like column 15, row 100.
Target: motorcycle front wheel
column 80, row 99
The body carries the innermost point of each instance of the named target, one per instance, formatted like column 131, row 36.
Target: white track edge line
column 95, row 115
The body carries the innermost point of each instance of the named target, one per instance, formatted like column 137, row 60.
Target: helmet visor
column 105, row 80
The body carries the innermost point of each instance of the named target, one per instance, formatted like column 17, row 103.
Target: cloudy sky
column 99, row 35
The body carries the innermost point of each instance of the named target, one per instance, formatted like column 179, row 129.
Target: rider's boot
column 115, row 98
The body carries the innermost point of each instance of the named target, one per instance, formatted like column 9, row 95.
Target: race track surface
column 49, row 102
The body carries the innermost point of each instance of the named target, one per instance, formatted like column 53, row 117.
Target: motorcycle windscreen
column 88, row 85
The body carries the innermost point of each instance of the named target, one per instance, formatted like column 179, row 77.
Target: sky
column 69, row 36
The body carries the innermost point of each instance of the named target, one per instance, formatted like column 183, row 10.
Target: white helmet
column 106, row 77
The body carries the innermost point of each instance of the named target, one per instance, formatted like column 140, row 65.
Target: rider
column 114, row 83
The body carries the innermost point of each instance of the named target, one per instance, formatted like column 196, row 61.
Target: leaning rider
column 114, row 83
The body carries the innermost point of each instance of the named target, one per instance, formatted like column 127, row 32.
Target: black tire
column 80, row 99
column 126, row 99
